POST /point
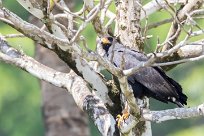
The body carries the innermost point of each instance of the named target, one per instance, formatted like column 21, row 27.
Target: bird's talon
column 122, row 118
column 119, row 120
column 126, row 115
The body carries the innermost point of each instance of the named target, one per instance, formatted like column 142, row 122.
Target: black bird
column 147, row 81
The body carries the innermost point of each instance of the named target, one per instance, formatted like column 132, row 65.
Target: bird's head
column 106, row 43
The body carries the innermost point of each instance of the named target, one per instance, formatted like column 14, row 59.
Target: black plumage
column 148, row 81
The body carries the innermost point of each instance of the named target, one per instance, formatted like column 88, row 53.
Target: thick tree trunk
column 61, row 115
column 129, row 31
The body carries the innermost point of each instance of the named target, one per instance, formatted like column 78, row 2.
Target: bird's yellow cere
column 105, row 41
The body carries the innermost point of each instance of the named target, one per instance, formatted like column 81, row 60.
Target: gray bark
column 61, row 115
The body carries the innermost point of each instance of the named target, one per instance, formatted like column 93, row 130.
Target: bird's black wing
column 182, row 97
column 154, row 81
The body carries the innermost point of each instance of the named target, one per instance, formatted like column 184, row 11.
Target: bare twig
column 156, row 5
column 30, row 30
column 44, row 37
column 14, row 36
column 179, row 18
column 104, row 10
column 67, row 11
column 92, row 14
column 179, row 61
column 154, row 25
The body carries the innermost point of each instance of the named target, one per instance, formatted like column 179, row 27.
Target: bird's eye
column 110, row 39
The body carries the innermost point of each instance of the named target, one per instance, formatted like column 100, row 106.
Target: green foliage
column 158, row 32
column 26, row 46
column 190, row 76
column 20, row 113
column 15, row 7
column 193, row 131
column 20, row 98
column 90, row 36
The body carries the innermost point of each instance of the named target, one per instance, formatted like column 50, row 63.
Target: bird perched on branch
column 147, row 81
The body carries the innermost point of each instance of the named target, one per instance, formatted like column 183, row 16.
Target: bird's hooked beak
column 105, row 41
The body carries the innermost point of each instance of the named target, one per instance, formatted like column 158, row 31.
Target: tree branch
column 128, row 23
column 191, row 50
column 175, row 28
column 156, row 5
column 87, row 101
column 81, row 64
column 177, row 113
column 43, row 37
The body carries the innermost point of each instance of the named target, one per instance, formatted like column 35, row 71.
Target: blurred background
column 20, row 95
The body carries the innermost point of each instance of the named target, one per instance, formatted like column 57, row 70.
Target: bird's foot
column 121, row 118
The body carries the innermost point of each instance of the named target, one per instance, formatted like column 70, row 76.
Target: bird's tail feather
column 182, row 97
